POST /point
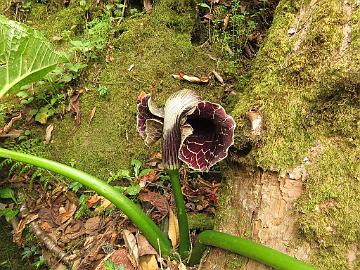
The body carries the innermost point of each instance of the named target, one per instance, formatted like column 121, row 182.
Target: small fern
column 26, row 145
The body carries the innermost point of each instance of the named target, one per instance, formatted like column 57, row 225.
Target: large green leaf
column 25, row 55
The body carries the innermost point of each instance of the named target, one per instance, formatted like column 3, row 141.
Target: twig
column 9, row 126
column 44, row 238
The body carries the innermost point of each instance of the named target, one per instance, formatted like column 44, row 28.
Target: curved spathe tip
column 149, row 119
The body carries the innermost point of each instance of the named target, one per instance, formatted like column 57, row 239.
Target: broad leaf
column 137, row 165
column 25, row 55
column 7, row 193
column 8, row 213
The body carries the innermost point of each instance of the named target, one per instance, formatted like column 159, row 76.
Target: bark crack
column 347, row 27
column 302, row 24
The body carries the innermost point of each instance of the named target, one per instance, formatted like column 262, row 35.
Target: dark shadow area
column 337, row 105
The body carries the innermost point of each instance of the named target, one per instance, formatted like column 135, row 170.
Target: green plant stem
column 246, row 248
column 184, row 246
column 152, row 232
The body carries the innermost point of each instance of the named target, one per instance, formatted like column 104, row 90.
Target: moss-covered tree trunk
column 305, row 84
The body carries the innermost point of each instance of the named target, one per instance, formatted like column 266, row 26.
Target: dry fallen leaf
column 56, row 38
column 48, row 133
column 45, row 226
column 147, row 5
column 9, row 126
column 181, row 266
column 256, row 122
column 92, row 200
column 92, row 224
column 144, row 246
column 109, row 54
column 218, row 76
column 21, row 226
column 104, row 204
column 193, row 79
column 120, row 257
column 148, row 262
column 131, row 244
column 67, row 212
column 157, row 200
column 130, row 69
column 173, row 231
column 226, row 22
column 209, row 16
column 74, row 105
column 92, row 114
column 150, row 177
column 13, row 134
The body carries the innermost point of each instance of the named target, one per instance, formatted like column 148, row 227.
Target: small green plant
column 83, row 208
column 133, row 177
column 136, row 173
column 110, row 265
column 102, row 90
column 75, row 186
column 8, row 193
column 40, row 262
column 29, row 56
column 31, row 252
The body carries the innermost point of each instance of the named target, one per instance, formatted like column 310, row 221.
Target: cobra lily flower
column 194, row 131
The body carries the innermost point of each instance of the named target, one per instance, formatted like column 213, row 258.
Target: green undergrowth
column 309, row 96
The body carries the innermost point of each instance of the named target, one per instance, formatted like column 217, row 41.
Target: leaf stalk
column 184, row 246
column 247, row 248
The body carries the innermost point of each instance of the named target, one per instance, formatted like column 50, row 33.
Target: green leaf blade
column 25, row 56
column 7, row 193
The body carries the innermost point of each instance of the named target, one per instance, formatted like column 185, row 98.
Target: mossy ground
column 158, row 45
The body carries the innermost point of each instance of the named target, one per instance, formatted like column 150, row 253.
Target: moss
column 53, row 23
column 200, row 221
column 331, row 214
column 284, row 81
